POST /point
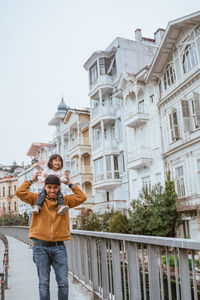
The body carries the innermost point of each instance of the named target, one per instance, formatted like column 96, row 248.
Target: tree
column 154, row 212
column 88, row 220
column 118, row 223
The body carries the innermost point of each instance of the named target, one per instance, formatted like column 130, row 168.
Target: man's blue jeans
column 56, row 256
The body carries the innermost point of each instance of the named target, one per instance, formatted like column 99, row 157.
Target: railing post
column 154, row 284
column 116, row 265
column 94, row 264
column 133, row 272
column 85, row 260
column 184, row 275
column 104, row 267
column 2, row 285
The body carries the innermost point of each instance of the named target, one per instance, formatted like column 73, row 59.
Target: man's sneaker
column 63, row 209
column 36, row 209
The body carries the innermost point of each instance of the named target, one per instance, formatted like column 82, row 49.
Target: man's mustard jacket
column 48, row 225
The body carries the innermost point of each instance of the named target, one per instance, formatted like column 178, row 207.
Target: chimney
column 138, row 34
column 158, row 35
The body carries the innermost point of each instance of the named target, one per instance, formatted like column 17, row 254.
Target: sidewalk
column 23, row 281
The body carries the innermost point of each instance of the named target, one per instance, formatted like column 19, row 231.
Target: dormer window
column 169, row 76
column 189, row 58
column 93, row 73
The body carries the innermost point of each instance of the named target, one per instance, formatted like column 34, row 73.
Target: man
column 48, row 230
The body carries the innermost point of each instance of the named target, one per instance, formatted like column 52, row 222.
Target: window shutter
column 175, row 124
column 197, row 108
column 171, row 127
column 186, row 115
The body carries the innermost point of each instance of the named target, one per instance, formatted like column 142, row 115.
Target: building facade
column 9, row 203
column 176, row 71
column 109, row 116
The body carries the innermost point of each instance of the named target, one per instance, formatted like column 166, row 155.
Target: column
column 100, row 98
column 78, row 132
column 102, row 133
column 69, row 138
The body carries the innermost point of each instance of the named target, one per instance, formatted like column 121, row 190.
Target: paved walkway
column 23, row 281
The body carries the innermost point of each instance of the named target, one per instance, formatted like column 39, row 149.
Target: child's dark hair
column 52, row 157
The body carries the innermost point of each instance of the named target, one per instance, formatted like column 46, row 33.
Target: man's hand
column 68, row 181
column 35, row 176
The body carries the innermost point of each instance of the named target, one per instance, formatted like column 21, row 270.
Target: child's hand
column 35, row 176
column 68, row 181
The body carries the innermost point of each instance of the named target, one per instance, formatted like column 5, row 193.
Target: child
column 54, row 167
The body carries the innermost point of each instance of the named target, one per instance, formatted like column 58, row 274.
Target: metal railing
column 4, row 275
column 129, row 267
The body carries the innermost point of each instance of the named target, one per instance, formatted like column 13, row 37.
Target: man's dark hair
column 52, row 157
column 52, row 179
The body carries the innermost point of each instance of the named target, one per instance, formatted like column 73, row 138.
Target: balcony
column 188, row 203
column 109, row 180
column 103, row 80
column 103, row 112
column 140, row 158
column 136, row 117
column 82, row 141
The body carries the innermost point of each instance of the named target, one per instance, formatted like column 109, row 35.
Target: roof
column 169, row 41
column 34, row 148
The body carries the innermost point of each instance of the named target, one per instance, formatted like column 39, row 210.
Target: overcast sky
column 43, row 46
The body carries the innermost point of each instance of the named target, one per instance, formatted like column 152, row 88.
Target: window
column 121, row 163
column 107, row 65
column 104, row 63
column 108, row 167
column 151, row 99
column 99, row 169
column 93, row 73
column 169, row 76
column 116, row 167
column 9, row 191
column 196, row 109
column 141, row 106
column 15, row 206
column 158, row 178
column 186, row 115
column 198, row 172
column 146, row 183
column 134, row 188
column 180, row 185
column 15, row 188
column 189, row 58
column 3, row 191
column 173, row 122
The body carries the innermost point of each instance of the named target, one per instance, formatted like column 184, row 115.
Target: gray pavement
column 23, row 281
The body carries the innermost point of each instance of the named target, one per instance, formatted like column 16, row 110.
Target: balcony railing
column 122, row 266
column 82, row 141
column 107, row 175
column 140, row 157
column 136, row 115
column 107, row 144
column 103, row 110
column 83, row 170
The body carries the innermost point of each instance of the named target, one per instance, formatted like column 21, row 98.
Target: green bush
column 13, row 220
column 154, row 212
column 88, row 221
column 118, row 223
